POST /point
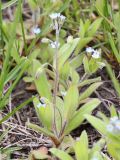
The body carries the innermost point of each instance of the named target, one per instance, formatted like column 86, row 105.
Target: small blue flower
column 41, row 105
column 89, row 50
column 36, row 30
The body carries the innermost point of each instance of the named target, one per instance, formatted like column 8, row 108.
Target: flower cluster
column 95, row 53
column 53, row 44
column 57, row 20
column 114, row 125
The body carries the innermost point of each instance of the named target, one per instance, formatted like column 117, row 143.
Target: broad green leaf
column 66, row 50
column 89, row 81
column 65, row 71
column 89, row 90
column 77, row 61
column 114, row 150
column 78, row 117
column 59, row 113
column 97, row 123
column 86, row 65
column 41, row 82
column 81, row 147
column 71, row 102
column 38, row 154
column 74, row 76
column 45, row 114
column 60, row 154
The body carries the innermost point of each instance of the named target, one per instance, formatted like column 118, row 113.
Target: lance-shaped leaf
column 71, row 101
column 81, row 147
column 60, row 154
column 66, row 50
column 78, row 117
column 89, row 91
column 39, row 129
column 97, row 123
column 40, row 79
column 44, row 113
column 94, row 27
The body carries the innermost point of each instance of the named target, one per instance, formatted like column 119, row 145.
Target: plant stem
column 56, row 81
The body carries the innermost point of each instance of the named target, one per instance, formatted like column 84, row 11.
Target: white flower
column 96, row 54
column 63, row 93
column 89, row 50
column 113, row 119
column 117, row 125
column 54, row 44
column 110, row 128
column 58, row 20
column 77, row 138
column 114, row 125
column 62, row 18
column 41, row 105
column 54, row 15
column 36, row 30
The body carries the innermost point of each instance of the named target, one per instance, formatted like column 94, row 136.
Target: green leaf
column 113, row 46
column 81, row 147
column 77, row 61
column 86, row 65
column 82, row 29
column 89, row 81
column 60, row 154
column 66, row 50
column 97, row 123
column 81, row 44
column 39, row 129
column 41, row 82
column 10, row 45
column 89, row 90
column 37, row 154
column 71, row 102
column 78, row 117
column 113, row 78
column 45, row 114
column 113, row 111
column 94, row 27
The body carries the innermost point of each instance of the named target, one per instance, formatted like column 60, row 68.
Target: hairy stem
column 56, row 82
